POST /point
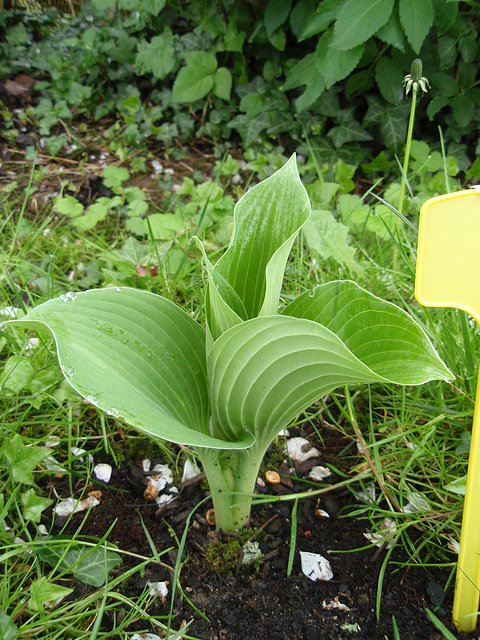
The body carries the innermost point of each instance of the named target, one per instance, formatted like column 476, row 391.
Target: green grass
column 414, row 440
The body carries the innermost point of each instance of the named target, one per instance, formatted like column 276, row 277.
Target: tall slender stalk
column 414, row 80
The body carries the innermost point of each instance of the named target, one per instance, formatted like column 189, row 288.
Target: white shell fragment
column 145, row 636
column 335, row 604
column 76, row 451
column 300, row 449
column 388, row 529
column 103, row 472
column 319, row 473
column 158, row 589
column 190, row 470
column 167, row 497
column 69, row 506
column 315, row 566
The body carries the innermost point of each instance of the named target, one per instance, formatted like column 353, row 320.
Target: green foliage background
column 243, row 69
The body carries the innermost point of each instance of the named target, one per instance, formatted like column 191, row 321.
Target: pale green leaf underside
column 379, row 333
column 135, row 355
column 267, row 218
column 267, row 370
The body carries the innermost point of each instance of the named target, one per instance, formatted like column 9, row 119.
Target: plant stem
column 406, row 158
column 231, row 476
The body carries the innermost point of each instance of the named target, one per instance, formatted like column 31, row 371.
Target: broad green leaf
column 225, row 308
column 266, row 220
column 329, row 238
column 8, row 630
column 392, row 32
column 114, row 177
column 389, row 79
column 326, row 12
column 17, row 375
column 300, row 15
column 358, row 20
column 276, row 13
column 134, row 355
column 23, row 459
column 44, row 592
column 157, row 56
column 462, row 109
column 222, row 83
column 68, row 206
column 379, row 333
column 333, row 64
column 87, row 564
column 190, row 86
column 266, row 371
column 153, row 6
column 202, row 62
column 416, row 19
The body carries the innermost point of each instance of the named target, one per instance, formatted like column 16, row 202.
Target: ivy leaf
column 87, row 564
column 33, row 505
column 44, row 592
column 394, row 125
column 23, row 459
column 251, row 128
column 157, row 56
column 348, row 130
column 329, row 238
column 333, row 64
column 416, row 19
column 276, row 13
column 358, row 20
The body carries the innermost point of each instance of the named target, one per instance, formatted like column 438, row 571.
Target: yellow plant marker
column 448, row 275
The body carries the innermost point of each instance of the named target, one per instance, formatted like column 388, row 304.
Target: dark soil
column 262, row 603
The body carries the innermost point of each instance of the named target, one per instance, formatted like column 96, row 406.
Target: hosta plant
column 227, row 389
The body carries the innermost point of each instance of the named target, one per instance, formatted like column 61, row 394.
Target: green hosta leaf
column 266, row 221
column 333, row 64
column 276, row 13
column 329, row 238
column 44, row 592
column 383, row 336
column 416, row 19
column 157, row 56
column 88, row 564
column 266, row 371
column 135, row 355
column 358, row 20
column 22, row 460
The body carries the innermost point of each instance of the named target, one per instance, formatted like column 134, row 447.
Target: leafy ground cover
column 104, row 199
